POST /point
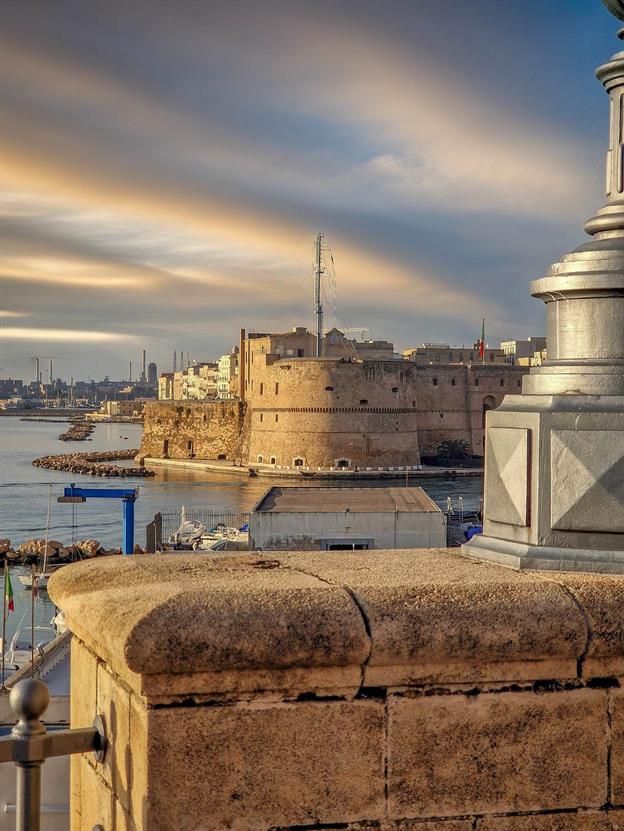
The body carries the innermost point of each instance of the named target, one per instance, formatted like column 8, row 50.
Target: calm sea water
column 24, row 493
column 24, row 488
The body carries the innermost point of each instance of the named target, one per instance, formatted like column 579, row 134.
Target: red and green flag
column 482, row 341
column 8, row 591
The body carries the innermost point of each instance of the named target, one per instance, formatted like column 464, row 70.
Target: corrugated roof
column 357, row 500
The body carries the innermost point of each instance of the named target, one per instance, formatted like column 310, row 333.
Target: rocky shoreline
column 34, row 551
column 93, row 464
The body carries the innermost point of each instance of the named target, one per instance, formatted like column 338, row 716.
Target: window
column 261, row 417
column 300, row 353
column 395, row 389
column 272, row 460
column 166, row 448
column 476, row 382
column 452, row 382
column 276, row 417
column 276, row 387
column 221, row 457
column 519, row 383
column 435, row 382
column 189, row 447
column 298, row 462
column 363, row 400
column 329, row 389
column 261, row 388
column 502, row 382
column 343, row 463
column 260, row 459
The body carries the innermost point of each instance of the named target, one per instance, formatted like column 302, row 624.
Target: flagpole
column 483, row 341
column 4, row 617
column 32, row 620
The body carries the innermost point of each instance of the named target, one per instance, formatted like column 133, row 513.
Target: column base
column 525, row 557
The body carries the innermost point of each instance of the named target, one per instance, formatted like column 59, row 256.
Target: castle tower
column 555, row 454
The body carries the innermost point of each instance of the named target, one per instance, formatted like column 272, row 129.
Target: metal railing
column 170, row 521
column 30, row 744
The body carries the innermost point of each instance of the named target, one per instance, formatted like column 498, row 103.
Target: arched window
column 298, row 462
column 260, row 459
column 489, row 403
column 272, row 460
column 476, row 382
column 452, row 382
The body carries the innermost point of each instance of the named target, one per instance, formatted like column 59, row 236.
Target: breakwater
column 56, row 553
column 79, row 431
column 95, row 463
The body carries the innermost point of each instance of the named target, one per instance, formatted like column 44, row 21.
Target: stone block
column 502, row 752
column 114, row 705
column 507, row 475
column 253, row 767
column 83, row 700
column 97, row 803
column 617, row 747
column 581, row 821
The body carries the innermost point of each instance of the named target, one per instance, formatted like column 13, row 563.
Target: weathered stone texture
column 297, row 764
column 454, row 755
column 183, row 430
column 375, row 690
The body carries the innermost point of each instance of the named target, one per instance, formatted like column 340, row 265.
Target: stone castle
column 358, row 406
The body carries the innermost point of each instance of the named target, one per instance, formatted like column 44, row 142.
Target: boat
column 20, row 649
column 223, row 538
column 42, row 579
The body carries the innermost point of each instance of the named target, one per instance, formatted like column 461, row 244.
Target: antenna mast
column 318, row 306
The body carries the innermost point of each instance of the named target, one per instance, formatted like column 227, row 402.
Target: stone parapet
column 389, row 690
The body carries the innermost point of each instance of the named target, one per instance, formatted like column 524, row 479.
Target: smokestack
column 143, row 359
column 50, row 371
column 175, row 358
column 130, row 370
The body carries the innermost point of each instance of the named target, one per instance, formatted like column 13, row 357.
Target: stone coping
column 174, row 625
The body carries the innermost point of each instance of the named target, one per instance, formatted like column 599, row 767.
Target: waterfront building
column 227, row 377
column 522, row 351
column 345, row 519
column 443, row 353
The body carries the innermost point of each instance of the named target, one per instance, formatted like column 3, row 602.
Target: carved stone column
column 554, row 476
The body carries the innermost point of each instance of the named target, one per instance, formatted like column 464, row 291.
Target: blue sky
column 165, row 167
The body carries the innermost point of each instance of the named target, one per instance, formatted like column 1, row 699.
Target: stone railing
column 391, row 690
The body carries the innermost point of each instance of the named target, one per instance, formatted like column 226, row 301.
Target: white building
column 334, row 519
column 227, row 373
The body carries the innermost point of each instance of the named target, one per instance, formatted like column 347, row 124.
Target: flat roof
column 339, row 500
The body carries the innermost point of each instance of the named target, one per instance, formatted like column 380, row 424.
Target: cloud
column 67, row 335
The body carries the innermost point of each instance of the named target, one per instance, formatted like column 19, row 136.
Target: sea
column 25, row 491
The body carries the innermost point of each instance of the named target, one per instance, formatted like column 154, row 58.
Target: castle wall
column 324, row 410
column 184, row 429
column 320, row 411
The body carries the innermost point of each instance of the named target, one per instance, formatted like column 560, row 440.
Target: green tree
column 453, row 450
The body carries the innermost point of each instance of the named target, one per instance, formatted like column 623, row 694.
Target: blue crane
column 128, row 497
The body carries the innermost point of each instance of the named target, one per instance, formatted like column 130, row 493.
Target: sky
column 164, row 167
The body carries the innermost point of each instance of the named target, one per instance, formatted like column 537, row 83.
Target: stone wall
column 184, row 429
column 366, row 690
column 372, row 413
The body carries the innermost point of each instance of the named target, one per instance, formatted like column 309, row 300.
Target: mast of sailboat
column 318, row 306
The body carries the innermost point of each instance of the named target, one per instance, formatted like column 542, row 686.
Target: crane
column 128, row 497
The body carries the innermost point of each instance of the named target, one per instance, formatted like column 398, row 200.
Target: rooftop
column 358, row 500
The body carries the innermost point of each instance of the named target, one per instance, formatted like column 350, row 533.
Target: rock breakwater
column 79, row 431
column 94, row 464
column 34, row 551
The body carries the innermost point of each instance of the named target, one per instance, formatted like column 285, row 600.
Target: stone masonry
column 378, row 690
column 319, row 411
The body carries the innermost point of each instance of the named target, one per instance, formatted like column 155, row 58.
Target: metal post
column 29, row 702
column 318, row 306
column 127, row 543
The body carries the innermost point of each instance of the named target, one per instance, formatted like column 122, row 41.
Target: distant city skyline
column 166, row 166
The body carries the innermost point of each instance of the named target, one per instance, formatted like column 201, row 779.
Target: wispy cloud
column 65, row 335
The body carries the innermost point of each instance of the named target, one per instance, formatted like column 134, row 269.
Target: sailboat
column 44, row 575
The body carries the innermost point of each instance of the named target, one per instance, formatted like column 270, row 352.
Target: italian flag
column 482, row 341
column 8, row 592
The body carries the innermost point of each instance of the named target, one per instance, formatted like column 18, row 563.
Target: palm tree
column 454, row 450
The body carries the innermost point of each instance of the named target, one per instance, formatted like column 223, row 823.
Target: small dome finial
column 29, row 700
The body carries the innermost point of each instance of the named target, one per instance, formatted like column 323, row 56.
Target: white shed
column 334, row 519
